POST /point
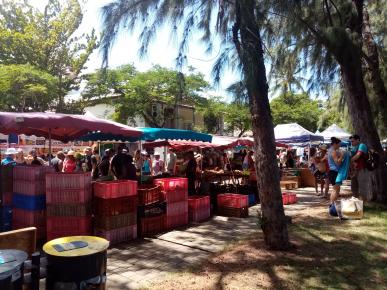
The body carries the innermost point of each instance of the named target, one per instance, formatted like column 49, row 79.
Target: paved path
column 134, row 265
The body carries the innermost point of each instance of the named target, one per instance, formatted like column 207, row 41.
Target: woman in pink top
column 69, row 165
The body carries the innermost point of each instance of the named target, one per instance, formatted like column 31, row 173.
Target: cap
column 10, row 151
column 71, row 153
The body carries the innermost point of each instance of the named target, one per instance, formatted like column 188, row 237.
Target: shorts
column 332, row 176
column 360, row 184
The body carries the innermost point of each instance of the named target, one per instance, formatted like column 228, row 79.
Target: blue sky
column 162, row 52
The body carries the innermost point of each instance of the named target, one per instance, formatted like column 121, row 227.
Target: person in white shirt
column 157, row 165
column 171, row 161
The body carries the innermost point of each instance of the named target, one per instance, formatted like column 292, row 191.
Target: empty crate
column 149, row 194
column 68, row 181
column 118, row 235
column 198, row 208
column 59, row 226
column 152, row 225
column 232, row 200
column 115, row 206
column 114, row 189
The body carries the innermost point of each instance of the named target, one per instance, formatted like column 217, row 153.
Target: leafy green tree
column 241, row 46
column 296, row 108
column 213, row 110
column 24, row 88
column 237, row 118
column 328, row 38
column 110, row 82
column 151, row 94
column 46, row 40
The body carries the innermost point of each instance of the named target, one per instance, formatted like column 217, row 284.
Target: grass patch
column 328, row 254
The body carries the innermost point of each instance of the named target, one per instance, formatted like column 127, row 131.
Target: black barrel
column 78, row 268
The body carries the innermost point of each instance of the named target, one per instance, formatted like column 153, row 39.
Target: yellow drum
column 76, row 262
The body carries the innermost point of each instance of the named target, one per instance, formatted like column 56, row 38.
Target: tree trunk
column 360, row 112
column 250, row 51
column 372, row 60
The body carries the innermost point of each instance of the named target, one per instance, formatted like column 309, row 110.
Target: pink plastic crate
column 69, row 224
column 114, row 189
column 177, row 208
column 29, row 218
column 174, row 221
column 199, row 208
column 31, row 173
column 68, row 181
column 6, row 198
column 174, row 189
column 119, row 235
column 233, row 200
column 56, row 196
column 285, row 199
column 36, row 187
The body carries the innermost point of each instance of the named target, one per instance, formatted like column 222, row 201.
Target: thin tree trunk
column 250, row 50
column 372, row 60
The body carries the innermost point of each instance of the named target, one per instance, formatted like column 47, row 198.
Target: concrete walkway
column 134, row 265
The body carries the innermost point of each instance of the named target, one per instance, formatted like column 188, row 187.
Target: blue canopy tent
column 150, row 134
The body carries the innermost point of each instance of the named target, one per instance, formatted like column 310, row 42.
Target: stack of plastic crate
column 29, row 198
column 68, row 204
column 6, row 185
column 115, row 209
column 6, row 188
column 151, row 210
column 176, row 197
column 233, row 205
column 198, row 208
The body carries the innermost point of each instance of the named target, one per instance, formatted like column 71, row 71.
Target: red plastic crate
column 36, row 187
column 68, row 181
column 114, row 189
column 115, row 221
column 68, row 226
column 31, row 173
column 177, row 208
column 174, row 189
column 56, row 196
column 119, row 235
column 285, row 198
column 68, row 209
column 152, row 225
column 149, row 194
column 6, row 198
column 233, row 200
column 115, row 206
column 29, row 218
column 198, row 208
column 174, row 221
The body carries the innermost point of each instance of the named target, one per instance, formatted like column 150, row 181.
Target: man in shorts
column 360, row 176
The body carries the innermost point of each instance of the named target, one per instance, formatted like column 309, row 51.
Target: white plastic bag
column 352, row 208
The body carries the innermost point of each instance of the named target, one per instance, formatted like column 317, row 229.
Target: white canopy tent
column 335, row 131
column 293, row 133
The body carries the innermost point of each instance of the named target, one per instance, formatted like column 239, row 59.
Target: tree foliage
column 296, row 108
column 46, row 40
column 24, row 88
column 151, row 94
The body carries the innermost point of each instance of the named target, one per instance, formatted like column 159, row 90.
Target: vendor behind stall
column 157, row 165
column 190, row 172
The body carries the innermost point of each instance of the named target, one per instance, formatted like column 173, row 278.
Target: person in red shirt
column 360, row 176
column 70, row 164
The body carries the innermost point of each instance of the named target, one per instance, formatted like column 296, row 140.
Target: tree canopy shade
column 46, row 40
column 296, row 108
column 25, row 88
column 241, row 44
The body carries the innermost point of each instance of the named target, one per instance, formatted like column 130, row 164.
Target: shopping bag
column 352, row 208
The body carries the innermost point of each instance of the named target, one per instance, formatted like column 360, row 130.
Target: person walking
column 359, row 176
column 335, row 158
column 57, row 162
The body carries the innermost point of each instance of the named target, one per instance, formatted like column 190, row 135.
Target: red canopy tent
column 181, row 145
column 60, row 126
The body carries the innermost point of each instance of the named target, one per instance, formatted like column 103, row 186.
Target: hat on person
column 10, row 151
column 156, row 154
column 144, row 152
column 71, row 153
column 323, row 147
